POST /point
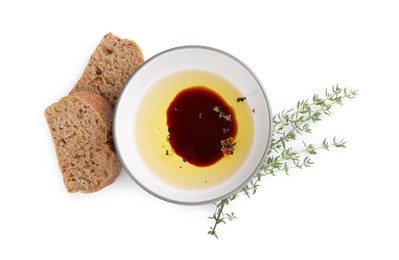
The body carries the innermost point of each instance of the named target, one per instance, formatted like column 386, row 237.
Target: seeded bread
column 110, row 66
column 80, row 126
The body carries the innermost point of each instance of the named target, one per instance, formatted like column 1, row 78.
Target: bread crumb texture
column 80, row 126
column 110, row 66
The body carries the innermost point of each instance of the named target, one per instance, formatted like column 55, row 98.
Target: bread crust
column 105, row 111
column 110, row 66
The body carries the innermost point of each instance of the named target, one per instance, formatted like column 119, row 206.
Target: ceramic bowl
column 139, row 85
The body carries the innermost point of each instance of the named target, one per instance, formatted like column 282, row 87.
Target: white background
column 344, row 207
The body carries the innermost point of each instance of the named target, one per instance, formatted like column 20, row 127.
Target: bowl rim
column 265, row 152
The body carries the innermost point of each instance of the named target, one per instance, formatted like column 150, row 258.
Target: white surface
column 344, row 207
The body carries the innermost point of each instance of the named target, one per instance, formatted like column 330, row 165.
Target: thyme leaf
column 288, row 125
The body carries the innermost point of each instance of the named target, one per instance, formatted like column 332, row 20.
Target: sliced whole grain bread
column 110, row 66
column 80, row 126
column 81, row 123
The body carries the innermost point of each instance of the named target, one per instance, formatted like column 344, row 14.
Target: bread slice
column 80, row 126
column 110, row 66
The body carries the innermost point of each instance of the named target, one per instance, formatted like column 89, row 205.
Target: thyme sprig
column 287, row 125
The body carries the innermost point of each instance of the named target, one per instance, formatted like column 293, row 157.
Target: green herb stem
column 286, row 126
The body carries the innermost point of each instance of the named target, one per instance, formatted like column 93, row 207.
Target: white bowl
column 139, row 85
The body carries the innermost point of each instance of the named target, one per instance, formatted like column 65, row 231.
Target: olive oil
column 152, row 132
